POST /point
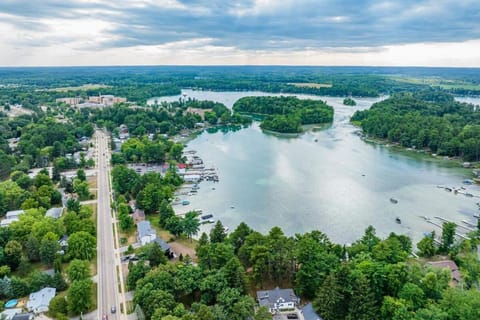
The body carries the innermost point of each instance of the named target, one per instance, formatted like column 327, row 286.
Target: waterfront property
column 278, row 299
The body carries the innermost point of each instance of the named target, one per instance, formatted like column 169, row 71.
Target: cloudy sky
column 223, row 32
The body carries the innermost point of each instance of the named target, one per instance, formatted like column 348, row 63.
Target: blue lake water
column 330, row 180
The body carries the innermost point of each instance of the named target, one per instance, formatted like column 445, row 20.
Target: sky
column 245, row 32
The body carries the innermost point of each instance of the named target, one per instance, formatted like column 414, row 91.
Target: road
column 107, row 255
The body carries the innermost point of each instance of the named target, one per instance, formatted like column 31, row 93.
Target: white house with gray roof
column 145, row 232
column 278, row 299
column 38, row 301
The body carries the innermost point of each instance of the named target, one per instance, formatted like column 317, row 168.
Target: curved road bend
column 107, row 256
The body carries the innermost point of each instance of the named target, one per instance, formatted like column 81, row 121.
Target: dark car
column 113, row 309
column 292, row 316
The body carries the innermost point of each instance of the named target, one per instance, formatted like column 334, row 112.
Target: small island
column 285, row 114
column 349, row 102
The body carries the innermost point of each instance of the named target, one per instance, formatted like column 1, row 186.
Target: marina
column 302, row 185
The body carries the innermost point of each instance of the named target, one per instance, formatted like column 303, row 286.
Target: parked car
column 113, row 309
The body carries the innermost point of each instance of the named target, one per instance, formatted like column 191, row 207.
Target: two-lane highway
column 108, row 295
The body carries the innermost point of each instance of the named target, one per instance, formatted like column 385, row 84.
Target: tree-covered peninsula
column 285, row 114
column 425, row 120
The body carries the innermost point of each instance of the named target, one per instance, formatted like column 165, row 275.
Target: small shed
column 54, row 213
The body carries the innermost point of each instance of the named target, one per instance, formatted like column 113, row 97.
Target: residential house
column 165, row 247
column 278, row 299
column 38, row 301
column 7, row 222
column 309, row 313
column 145, row 232
column 13, row 214
column 54, row 213
column 452, row 266
column 63, row 242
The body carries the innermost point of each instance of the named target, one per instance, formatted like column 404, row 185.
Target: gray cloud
column 290, row 25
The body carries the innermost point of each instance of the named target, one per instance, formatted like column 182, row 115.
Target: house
column 165, row 247
column 448, row 264
column 309, row 313
column 7, row 222
column 38, row 301
column 63, row 242
column 54, row 213
column 278, row 299
column 23, row 316
column 145, row 233
column 14, row 214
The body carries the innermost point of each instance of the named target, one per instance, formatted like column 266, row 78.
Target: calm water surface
column 329, row 180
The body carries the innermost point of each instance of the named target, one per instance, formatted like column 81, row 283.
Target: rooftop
column 144, row 229
column 270, row 297
column 165, row 247
column 54, row 213
column 309, row 313
column 38, row 301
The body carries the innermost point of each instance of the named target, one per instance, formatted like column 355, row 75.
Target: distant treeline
column 425, row 120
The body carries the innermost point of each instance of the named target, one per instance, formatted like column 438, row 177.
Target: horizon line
column 238, row 65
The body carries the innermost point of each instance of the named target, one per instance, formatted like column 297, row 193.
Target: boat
column 316, row 140
column 397, row 220
column 448, row 189
column 393, row 200
column 226, row 229
column 232, row 207
column 468, row 195
column 206, row 216
column 185, row 202
column 468, row 181
column 211, row 220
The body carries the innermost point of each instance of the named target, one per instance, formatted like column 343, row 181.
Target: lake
column 330, row 179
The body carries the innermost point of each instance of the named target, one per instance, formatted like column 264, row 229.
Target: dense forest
column 372, row 279
column 425, row 120
column 285, row 114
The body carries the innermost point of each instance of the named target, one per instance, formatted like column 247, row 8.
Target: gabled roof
column 270, row 297
column 144, row 229
column 54, row 213
column 165, row 247
column 309, row 313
